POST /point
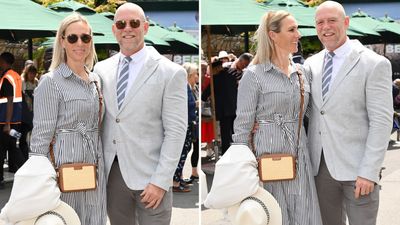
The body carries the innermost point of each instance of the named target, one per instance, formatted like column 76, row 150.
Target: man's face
column 242, row 64
column 331, row 27
column 130, row 39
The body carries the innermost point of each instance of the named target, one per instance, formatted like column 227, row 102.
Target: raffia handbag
column 277, row 167
column 74, row 177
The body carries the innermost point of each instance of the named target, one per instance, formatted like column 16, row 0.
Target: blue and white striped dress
column 270, row 97
column 67, row 108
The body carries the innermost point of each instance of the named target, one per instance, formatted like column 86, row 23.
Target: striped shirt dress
column 67, row 108
column 271, row 98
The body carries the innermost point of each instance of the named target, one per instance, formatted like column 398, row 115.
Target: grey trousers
column 124, row 206
column 336, row 200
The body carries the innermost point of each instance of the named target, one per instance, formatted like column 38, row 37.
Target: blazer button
column 114, row 142
column 117, row 120
column 322, row 112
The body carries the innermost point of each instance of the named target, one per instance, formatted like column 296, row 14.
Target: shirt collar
column 137, row 56
column 269, row 66
column 66, row 72
column 343, row 50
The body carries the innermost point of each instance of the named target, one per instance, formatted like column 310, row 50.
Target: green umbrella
column 179, row 34
column 387, row 29
column 178, row 43
column 23, row 19
column 236, row 16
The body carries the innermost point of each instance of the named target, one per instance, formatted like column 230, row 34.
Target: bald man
column 350, row 120
column 144, row 125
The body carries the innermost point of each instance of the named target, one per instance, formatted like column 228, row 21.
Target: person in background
column 29, row 83
column 269, row 94
column 10, row 115
column 193, row 80
column 349, row 122
column 179, row 184
column 66, row 114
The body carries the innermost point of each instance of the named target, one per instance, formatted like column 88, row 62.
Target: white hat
column 34, row 191
column 258, row 209
column 223, row 54
column 235, row 170
column 62, row 215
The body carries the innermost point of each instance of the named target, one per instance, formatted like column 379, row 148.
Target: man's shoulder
column 106, row 62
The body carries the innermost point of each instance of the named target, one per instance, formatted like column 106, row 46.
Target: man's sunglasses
column 73, row 38
column 121, row 24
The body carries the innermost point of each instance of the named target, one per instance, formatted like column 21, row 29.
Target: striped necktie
column 327, row 74
column 123, row 81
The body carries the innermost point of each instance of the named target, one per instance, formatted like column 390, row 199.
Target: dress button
column 322, row 112
column 114, row 142
column 117, row 120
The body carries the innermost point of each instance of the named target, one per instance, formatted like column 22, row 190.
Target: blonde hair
column 271, row 21
column 190, row 67
column 59, row 55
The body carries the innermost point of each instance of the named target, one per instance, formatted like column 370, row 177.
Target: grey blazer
column 149, row 130
column 353, row 125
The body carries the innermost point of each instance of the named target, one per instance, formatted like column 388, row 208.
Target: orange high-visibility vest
column 15, row 80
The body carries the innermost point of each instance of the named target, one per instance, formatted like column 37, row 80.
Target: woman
column 66, row 110
column 269, row 94
column 29, row 83
column 193, row 80
column 179, row 185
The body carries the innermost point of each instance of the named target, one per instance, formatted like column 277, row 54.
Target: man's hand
column 152, row 196
column 7, row 128
column 363, row 187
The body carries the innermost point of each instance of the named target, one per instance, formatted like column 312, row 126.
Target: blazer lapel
column 111, row 83
column 347, row 66
column 145, row 73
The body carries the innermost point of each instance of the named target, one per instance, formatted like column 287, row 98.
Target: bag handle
column 301, row 81
column 53, row 161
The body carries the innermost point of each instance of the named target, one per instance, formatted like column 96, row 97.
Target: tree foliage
column 97, row 5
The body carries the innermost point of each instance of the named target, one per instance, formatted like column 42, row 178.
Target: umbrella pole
column 30, row 49
column 246, row 41
column 216, row 137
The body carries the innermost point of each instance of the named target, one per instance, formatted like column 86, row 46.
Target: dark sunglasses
column 73, row 38
column 121, row 24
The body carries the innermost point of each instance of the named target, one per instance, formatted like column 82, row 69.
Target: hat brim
column 269, row 201
column 64, row 210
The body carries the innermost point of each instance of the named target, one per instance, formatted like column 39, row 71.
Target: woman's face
column 31, row 76
column 79, row 50
column 288, row 38
column 193, row 77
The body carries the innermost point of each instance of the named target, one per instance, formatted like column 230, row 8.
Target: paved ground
column 185, row 205
column 389, row 207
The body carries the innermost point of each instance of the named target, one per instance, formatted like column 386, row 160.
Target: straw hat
column 62, row 215
column 258, row 209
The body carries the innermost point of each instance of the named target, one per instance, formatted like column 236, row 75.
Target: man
column 225, row 91
column 144, row 125
column 350, row 121
column 10, row 113
column 239, row 65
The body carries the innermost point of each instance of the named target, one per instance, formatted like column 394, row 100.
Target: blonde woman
column 269, row 94
column 66, row 108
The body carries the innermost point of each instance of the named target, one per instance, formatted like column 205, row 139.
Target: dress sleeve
column 45, row 112
column 247, row 101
